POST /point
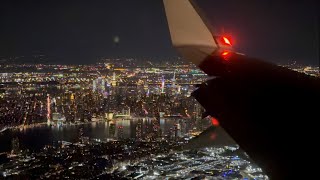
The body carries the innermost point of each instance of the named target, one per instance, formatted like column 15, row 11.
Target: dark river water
column 37, row 137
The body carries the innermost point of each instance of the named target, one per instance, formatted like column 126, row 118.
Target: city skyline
column 108, row 120
column 97, row 91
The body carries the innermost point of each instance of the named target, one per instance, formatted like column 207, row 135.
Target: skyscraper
column 173, row 85
column 162, row 85
column 99, row 85
column 114, row 80
column 48, row 109
column 94, row 85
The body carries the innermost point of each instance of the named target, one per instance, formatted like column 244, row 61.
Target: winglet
column 189, row 32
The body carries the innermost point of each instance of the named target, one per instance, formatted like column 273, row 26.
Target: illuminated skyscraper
column 103, row 85
column 72, row 97
column 146, row 89
column 173, row 85
column 162, row 85
column 114, row 81
column 148, row 93
column 99, row 85
column 94, row 85
column 54, row 104
column 179, row 89
column 48, row 109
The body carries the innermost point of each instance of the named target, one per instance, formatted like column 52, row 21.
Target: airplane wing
column 267, row 109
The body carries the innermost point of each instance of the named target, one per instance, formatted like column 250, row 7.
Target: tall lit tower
column 114, row 81
column 148, row 93
column 162, row 85
column 94, row 85
column 48, row 108
column 174, row 85
column 174, row 80
column 146, row 88
column 54, row 104
column 72, row 98
column 103, row 85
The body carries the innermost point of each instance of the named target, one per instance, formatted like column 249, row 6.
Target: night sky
column 82, row 31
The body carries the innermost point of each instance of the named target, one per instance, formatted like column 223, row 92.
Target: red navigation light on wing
column 225, row 55
column 215, row 122
column 226, row 41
